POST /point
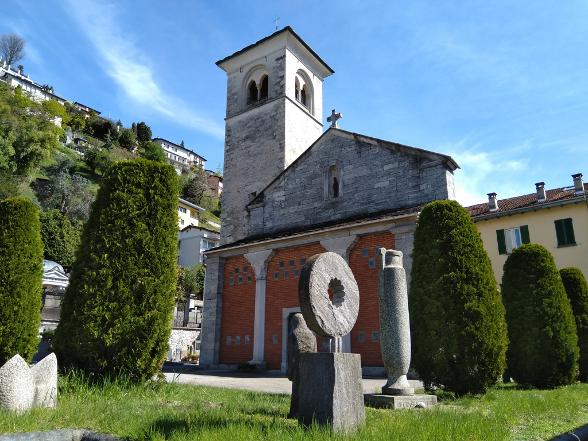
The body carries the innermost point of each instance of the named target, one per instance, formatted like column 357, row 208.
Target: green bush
column 61, row 237
column 21, row 260
column 577, row 291
column 457, row 318
column 543, row 349
column 117, row 311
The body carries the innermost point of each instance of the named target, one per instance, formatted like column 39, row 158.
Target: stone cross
column 334, row 118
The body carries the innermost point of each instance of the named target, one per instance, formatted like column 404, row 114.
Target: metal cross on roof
column 276, row 21
column 334, row 118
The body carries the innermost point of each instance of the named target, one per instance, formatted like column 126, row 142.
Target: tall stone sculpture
column 300, row 340
column 330, row 391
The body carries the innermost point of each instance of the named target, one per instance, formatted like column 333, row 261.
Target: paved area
column 261, row 382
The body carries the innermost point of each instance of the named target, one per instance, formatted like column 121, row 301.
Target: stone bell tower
column 274, row 113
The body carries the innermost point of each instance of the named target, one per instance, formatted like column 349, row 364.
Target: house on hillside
column 555, row 218
column 215, row 183
column 193, row 242
column 179, row 156
column 188, row 213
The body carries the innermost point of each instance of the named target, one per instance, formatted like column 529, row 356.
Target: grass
column 159, row 411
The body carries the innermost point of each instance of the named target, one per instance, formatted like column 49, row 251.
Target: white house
column 180, row 156
column 193, row 242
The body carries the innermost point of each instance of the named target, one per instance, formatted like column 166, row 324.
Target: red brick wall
column 363, row 263
column 282, row 292
column 238, row 311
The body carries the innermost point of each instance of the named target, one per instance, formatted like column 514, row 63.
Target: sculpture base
column 400, row 401
column 404, row 391
column 330, row 391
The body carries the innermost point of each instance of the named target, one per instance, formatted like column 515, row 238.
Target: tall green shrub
column 21, row 260
column 543, row 350
column 61, row 237
column 117, row 311
column 577, row 291
column 457, row 318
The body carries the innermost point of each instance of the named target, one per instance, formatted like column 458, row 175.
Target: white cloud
column 130, row 69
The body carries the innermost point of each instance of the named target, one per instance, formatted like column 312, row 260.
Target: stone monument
column 330, row 391
column 301, row 340
column 23, row 387
column 395, row 337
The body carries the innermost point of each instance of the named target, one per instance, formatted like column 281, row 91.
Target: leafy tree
column 100, row 128
column 196, row 186
column 98, row 160
column 457, row 318
column 577, row 291
column 143, row 133
column 117, row 310
column 126, row 139
column 53, row 108
column 11, row 48
column 543, row 349
column 190, row 281
column 21, row 254
column 77, row 122
column 61, row 237
column 153, row 152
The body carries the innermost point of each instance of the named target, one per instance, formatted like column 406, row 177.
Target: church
column 293, row 189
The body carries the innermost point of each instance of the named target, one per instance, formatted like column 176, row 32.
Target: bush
column 153, row 152
column 543, row 349
column 21, row 259
column 457, row 317
column 117, row 310
column 577, row 291
column 60, row 237
column 126, row 139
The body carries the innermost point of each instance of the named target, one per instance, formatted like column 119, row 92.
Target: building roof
column 191, row 205
column 527, row 201
column 25, row 78
column 87, row 107
column 198, row 227
column 179, row 146
column 275, row 34
column 387, row 144
column 316, row 228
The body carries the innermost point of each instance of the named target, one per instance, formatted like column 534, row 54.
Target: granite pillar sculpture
column 301, row 340
column 330, row 391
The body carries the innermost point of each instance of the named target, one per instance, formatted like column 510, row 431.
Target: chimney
column 540, row 187
column 578, row 184
column 492, row 202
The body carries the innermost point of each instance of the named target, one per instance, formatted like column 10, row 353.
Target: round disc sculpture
column 329, row 389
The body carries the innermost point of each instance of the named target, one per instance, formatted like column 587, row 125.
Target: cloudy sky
column 501, row 86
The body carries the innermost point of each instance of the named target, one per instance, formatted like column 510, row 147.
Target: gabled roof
column 526, row 201
column 269, row 37
column 191, row 205
column 449, row 161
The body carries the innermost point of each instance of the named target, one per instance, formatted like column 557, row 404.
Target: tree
column 61, row 237
column 143, row 133
column 21, row 254
column 196, row 187
column 457, row 319
column 153, row 152
column 98, row 160
column 11, row 48
column 126, row 139
column 117, row 310
column 543, row 349
column 190, row 281
column 577, row 291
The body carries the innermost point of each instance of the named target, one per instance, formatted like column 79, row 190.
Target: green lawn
column 173, row 411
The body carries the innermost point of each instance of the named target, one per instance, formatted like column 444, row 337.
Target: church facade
column 292, row 190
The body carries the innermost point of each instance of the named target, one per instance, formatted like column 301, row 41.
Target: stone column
column 341, row 246
column 403, row 241
column 259, row 260
column 211, row 311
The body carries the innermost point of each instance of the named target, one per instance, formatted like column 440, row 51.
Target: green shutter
column 560, row 233
column 500, row 238
column 525, row 234
column 569, row 230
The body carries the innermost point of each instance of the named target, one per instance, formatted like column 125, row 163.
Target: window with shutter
column 564, row 231
column 501, row 241
column 525, row 234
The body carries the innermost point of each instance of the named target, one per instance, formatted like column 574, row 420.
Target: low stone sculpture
column 23, row 387
column 330, row 391
column 300, row 340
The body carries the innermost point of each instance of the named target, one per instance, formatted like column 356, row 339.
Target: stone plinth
column 330, row 391
column 400, row 401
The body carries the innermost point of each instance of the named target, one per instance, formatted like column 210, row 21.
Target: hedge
column 457, row 318
column 21, row 278
column 543, row 349
column 117, row 312
column 577, row 291
column 60, row 236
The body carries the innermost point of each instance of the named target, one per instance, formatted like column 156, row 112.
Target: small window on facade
column 240, row 279
column 246, row 339
column 228, row 340
column 232, row 281
column 292, row 263
column 281, row 264
column 249, row 279
column 361, row 336
column 264, row 88
column 182, row 210
column 302, row 260
column 252, row 93
column 303, row 96
column 296, row 273
column 286, row 274
column 245, row 269
column 334, row 182
column 511, row 238
column 297, row 89
column 276, row 275
column 564, row 230
column 372, row 262
column 275, row 339
column 376, row 336
column 238, row 340
column 365, row 252
column 236, row 270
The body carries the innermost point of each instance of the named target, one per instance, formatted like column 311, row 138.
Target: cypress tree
column 21, row 278
column 577, row 291
column 457, row 318
column 117, row 311
column 543, row 349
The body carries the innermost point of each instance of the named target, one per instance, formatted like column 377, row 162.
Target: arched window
column 252, row 93
column 297, row 89
column 264, row 87
column 303, row 99
column 303, row 90
column 335, row 188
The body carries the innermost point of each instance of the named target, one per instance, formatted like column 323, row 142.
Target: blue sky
column 502, row 86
